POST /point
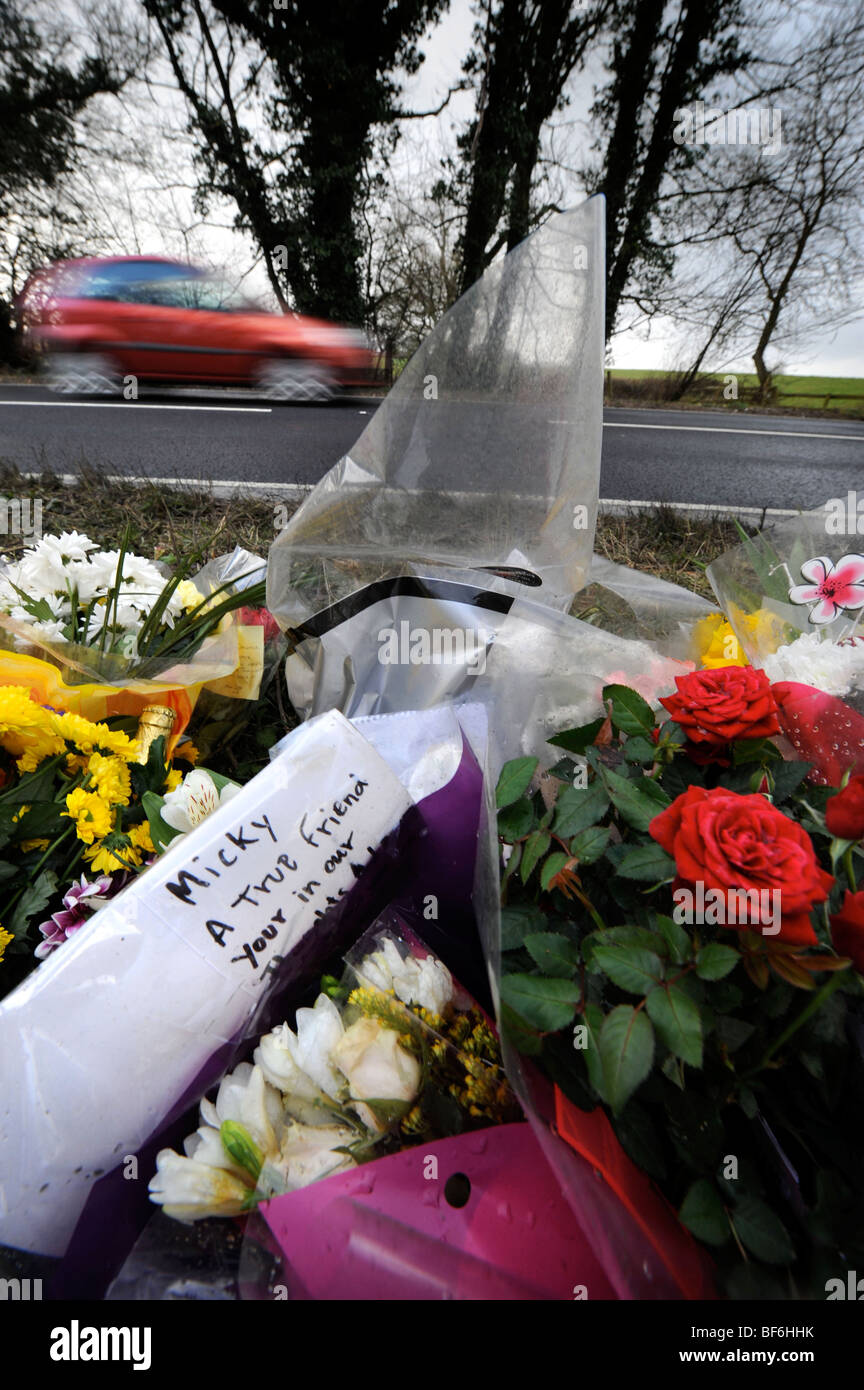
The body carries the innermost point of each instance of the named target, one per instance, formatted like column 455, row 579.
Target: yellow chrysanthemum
column 103, row 860
column 110, row 778
column 173, row 779
column 140, row 837
column 5, row 938
column 25, row 728
column 92, row 815
column 26, row 845
column 90, row 737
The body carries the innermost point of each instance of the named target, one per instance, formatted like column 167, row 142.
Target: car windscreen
column 163, row 285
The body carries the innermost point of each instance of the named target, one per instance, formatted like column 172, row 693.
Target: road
column 708, row 458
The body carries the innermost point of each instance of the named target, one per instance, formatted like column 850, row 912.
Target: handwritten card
column 101, row 1040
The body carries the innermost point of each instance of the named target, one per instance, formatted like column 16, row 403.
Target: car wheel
column 82, row 374
column 285, row 379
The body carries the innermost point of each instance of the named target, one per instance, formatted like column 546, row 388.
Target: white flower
column 307, row 1153
column 275, row 1055
column 425, row 982
column 194, row 800
column 49, row 632
column 189, row 1190
column 811, row 660
column 244, row 1096
column 376, row 1067
column 319, row 1030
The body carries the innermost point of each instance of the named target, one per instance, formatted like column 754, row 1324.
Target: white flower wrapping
column 300, row 1103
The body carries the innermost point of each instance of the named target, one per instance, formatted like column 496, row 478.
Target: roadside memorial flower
column 714, row 707
column 194, row 799
column 726, row 840
column 832, row 587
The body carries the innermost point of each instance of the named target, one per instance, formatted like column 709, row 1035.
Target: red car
column 162, row 322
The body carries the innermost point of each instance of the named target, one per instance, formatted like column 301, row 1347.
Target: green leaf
column 647, row 863
column 32, row 903
column 553, row 953
column 161, row 833
column 630, row 713
column 679, row 1026
column 715, row 961
column 621, row 936
column 754, row 750
column 640, row 750
column 589, row 844
column 534, row 848
column 577, row 740
column 513, row 862
column 515, row 780
column 629, row 967
column 636, row 806
column 542, row 1002
column 516, row 820
column 516, row 923
column 762, row 1232
column 593, row 1020
column 626, row 1051
column 526, row 1040
column 552, row 865
column 787, row 777
column 702, row 1212
column 676, row 938
column 579, row 807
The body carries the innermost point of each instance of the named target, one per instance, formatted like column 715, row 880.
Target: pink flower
column 79, row 903
column 832, row 588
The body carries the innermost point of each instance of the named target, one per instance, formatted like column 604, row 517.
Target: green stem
column 847, row 864
column 809, row 1009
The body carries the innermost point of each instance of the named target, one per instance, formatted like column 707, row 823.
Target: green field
column 843, row 395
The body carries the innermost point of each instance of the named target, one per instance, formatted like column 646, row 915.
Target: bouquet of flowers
column 73, row 822
column 395, row 1055
column 683, row 944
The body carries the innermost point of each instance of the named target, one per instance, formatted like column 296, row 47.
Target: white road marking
column 297, row 492
column 729, row 429
column 125, row 405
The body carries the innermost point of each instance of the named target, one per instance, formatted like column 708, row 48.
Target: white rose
column 319, row 1031
column 376, row 1067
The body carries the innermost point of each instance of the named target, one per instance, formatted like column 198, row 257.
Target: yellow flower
column 26, row 845
column 25, row 728
column 140, row 837
column 188, row 595
column 88, row 737
column 173, row 779
column 110, row 778
column 716, row 644
column 103, row 859
column 5, row 938
column 91, row 814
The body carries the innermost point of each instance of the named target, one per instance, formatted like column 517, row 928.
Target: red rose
column 847, row 929
column 730, row 702
column 260, row 617
column 844, row 814
column 725, row 840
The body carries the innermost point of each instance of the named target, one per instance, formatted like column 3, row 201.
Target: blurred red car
column 162, row 322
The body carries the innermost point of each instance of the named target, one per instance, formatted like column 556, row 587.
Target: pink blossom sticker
column 832, row 587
